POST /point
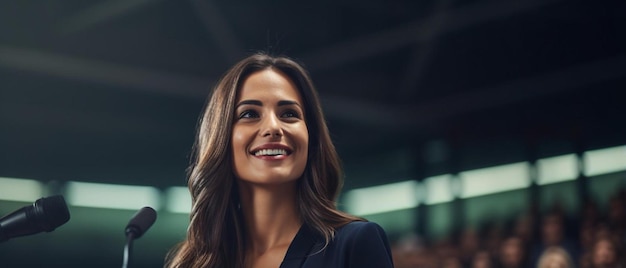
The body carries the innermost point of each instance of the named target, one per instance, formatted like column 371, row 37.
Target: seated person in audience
column 553, row 235
column 555, row 257
column 512, row 253
column 606, row 252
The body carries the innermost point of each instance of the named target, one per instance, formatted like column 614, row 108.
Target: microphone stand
column 130, row 237
column 137, row 226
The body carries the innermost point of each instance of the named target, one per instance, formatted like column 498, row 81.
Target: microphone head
column 141, row 221
column 50, row 212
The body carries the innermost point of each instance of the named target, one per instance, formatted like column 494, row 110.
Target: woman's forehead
column 269, row 84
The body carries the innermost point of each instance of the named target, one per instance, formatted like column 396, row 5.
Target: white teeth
column 270, row 152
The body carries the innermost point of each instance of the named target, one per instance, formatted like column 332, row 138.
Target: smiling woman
column 270, row 138
column 265, row 178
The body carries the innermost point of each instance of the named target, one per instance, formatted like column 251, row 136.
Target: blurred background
column 475, row 132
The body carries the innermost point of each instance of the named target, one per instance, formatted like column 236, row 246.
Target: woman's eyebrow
column 249, row 102
column 259, row 103
column 288, row 102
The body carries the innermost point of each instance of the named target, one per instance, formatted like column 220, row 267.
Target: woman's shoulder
column 364, row 244
column 358, row 227
column 361, row 232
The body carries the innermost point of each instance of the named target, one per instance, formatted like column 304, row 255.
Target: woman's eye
column 248, row 114
column 291, row 113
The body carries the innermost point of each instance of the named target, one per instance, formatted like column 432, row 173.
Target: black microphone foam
column 45, row 215
column 141, row 221
column 52, row 212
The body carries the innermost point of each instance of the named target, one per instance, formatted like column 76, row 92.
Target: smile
column 270, row 152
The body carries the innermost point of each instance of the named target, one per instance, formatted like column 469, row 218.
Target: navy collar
column 306, row 242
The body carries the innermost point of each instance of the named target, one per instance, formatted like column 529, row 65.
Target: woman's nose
column 271, row 127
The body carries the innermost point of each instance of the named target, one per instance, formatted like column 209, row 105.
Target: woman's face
column 270, row 138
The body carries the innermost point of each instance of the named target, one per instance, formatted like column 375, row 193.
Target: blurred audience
column 512, row 253
column 482, row 259
column 555, row 257
column 553, row 235
column 605, row 252
column 594, row 238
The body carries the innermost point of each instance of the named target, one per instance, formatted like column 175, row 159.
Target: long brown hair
column 215, row 237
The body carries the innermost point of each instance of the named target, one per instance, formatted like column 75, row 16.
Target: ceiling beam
column 99, row 72
column 417, row 32
column 527, row 88
column 100, row 13
column 421, row 55
column 212, row 20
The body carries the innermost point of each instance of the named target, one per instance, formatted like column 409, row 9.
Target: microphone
column 136, row 227
column 140, row 222
column 45, row 215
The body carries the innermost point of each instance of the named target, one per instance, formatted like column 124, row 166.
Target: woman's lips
column 272, row 151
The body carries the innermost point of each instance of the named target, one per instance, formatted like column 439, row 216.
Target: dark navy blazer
column 357, row 244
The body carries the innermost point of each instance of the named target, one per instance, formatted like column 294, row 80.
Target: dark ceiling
column 110, row 91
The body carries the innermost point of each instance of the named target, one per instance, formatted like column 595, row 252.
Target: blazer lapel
column 300, row 248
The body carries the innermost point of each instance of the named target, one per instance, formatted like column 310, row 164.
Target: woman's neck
column 270, row 215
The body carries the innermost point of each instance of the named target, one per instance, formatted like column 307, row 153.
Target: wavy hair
column 215, row 236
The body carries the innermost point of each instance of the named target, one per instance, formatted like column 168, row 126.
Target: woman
column 266, row 176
